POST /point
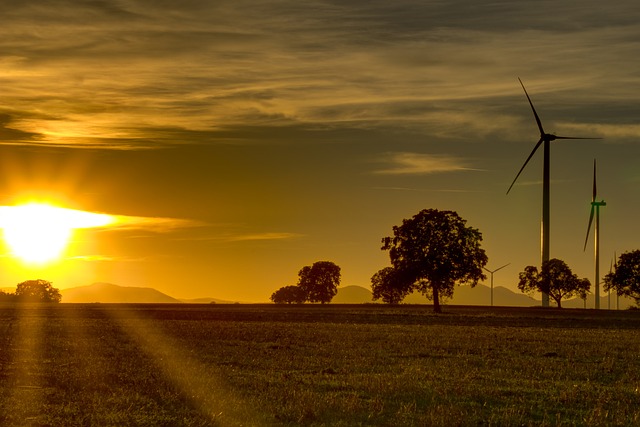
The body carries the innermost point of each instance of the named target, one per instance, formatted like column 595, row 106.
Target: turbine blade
column 594, row 181
column 525, row 163
column 532, row 108
column 586, row 240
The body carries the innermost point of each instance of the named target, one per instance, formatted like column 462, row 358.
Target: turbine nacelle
column 595, row 206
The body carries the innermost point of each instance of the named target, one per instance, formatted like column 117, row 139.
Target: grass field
column 199, row 365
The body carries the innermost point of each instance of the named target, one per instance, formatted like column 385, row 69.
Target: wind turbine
column 492, row 279
column 595, row 207
column 545, row 138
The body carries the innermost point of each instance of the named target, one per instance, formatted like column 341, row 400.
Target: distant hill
column 352, row 295
column 110, row 293
column 480, row 295
column 463, row 295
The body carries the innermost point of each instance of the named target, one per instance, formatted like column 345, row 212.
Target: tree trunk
column 436, row 300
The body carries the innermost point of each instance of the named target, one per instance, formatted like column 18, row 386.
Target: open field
column 196, row 365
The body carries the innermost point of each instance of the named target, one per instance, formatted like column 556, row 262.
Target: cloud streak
column 416, row 163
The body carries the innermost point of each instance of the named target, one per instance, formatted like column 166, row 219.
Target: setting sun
column 38, row 233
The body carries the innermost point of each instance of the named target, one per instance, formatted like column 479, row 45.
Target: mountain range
column 463, row 295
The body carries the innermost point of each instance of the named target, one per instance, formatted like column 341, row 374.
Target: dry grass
column 316, row 365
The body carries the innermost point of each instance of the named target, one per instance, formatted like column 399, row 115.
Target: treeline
column 33, row 291
column 434, row 251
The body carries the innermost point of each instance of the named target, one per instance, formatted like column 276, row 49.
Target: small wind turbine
column 595, row 207
column 545, row 138
column 492, row 279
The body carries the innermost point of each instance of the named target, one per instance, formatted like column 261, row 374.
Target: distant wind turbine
column 491, row 272
column 545, row 138
column 595, row 207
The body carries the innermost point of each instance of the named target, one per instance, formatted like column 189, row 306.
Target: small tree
column 556, row 273
column 388, row 286
column 433, row 251
column 289, row 295
column 37, row 291
column 320, row 281
column 625, row 278
column 6, row 297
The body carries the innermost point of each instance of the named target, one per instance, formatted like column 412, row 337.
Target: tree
column 37, row 291
column 6, row 297
column 388, row 286
column 320, row 281
column 434, row 251
column 288, row 295
column 625, row 278
column 561, row 281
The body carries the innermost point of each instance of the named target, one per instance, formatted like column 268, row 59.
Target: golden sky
column 245, row 139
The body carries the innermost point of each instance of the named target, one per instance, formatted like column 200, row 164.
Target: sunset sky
column 242, row 140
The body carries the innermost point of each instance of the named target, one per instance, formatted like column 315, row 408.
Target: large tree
column 434, row 251
column 625, row 278
column 320, row 281
column 561, row 281
column 37, row 291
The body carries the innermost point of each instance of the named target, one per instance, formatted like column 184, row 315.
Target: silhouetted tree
column 288, row 295
column 562, row 282
column 434, row 251
column 7, row 297
column 37, row 291
column 320, row 281
column 625, row 278
column 388, row 286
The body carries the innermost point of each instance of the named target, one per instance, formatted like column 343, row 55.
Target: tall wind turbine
column 545, row 138
column 595, row 207
column 493, row 271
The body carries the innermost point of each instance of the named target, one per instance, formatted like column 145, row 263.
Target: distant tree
column 625, row 278
column 37, row 291
column 7, row 297
column 562, row 282
column 434, row 251
column 320, row 281
column 289, row 295
column 388, row 286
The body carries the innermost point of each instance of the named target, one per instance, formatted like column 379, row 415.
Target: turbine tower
column 545, row 138
column 595, row 207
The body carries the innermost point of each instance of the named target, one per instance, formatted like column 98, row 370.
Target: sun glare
column 38, row 233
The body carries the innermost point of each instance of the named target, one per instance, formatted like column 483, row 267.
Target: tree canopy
column 625, row 278
column 319, row 281
column 431, row 253
column 388, row 286
column 562, row 283
column 37, row 291
column 289, row 295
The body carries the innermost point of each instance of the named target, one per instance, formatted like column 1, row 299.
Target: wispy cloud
column 262, row 236
column 417, row 163
column 156, row 224
column 425, row 190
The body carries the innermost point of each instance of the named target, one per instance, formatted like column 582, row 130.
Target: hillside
column 110, row 293
column 463, row 295
column 352, row 295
